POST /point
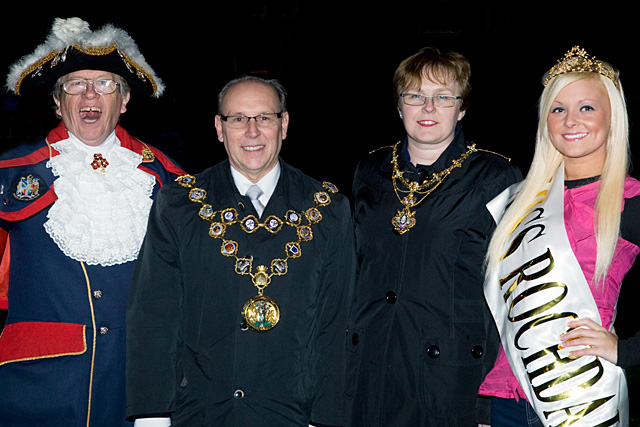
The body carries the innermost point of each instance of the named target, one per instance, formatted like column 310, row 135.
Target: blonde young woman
column 558, row 256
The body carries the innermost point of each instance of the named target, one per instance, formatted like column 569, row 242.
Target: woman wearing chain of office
column 418, row 343
column 558, row 256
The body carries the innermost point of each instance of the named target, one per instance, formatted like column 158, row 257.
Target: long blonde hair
column 547, row 159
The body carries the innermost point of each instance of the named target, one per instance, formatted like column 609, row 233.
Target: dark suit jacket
column 188, row 352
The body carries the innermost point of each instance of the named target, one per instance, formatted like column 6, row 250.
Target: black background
column 336, row 60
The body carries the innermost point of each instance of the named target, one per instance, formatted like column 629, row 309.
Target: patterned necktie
column 253, row 193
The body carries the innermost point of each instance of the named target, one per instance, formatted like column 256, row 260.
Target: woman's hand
column 599, row 341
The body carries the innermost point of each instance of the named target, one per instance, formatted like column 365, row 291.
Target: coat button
column 433, row 351
column 391, row 297
column 104, row 330
column 477, row 352
column 238, row 394
column 97, row 294
column 355, row 339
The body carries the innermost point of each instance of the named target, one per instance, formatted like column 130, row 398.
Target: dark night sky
column 336, row 60
column 328, row 55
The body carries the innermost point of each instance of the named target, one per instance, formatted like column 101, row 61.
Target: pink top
column 578, row 220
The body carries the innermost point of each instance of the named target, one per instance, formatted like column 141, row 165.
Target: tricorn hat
column 72, row 46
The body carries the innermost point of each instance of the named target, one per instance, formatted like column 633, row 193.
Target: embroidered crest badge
column 28, row 188
column 147, row 155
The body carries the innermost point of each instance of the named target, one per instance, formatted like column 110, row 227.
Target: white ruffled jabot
column 99, row 217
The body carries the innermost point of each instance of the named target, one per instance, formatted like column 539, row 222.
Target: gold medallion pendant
column 261, row 313
column 404, row 220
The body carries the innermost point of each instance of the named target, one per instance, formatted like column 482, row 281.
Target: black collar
column 453, row 151
column 575, row 183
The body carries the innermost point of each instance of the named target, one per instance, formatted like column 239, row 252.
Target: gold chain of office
column 260, row 313
column 416, row 192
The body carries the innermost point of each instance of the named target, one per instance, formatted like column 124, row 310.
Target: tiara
column 577, row 60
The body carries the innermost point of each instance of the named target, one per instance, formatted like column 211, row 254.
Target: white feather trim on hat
column 74, row 32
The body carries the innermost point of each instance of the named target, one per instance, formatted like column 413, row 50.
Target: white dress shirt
column 267, row 184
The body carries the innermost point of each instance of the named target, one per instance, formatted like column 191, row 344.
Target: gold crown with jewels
column 577, row 60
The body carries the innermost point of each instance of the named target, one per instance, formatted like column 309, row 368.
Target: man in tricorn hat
column 75, row 207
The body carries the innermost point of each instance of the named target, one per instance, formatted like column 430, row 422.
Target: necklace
column 415, row 193
column 260, row 313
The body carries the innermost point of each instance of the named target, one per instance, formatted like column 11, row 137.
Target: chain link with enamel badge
column 416, row 192
column 260, row 313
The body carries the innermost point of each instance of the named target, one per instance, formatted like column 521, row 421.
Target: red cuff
column 37, row 340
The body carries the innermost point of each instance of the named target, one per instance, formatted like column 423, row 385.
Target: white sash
column 533, row 293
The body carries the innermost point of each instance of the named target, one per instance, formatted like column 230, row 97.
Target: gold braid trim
column 55, row 58
column 34, row 67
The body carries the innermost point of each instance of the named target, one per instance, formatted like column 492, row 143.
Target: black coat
column 188, row 353
column 420, row 335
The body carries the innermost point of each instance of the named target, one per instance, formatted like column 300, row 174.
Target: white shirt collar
column 267, row 184
column 106, row 145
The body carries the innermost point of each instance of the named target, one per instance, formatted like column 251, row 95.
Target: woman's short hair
column 429, row 62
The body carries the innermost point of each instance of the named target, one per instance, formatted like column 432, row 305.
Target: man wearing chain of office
column 240, row 299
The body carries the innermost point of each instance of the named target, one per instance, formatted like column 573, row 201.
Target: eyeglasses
column 416, row 99
column 79, row 86
column 263, row 120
